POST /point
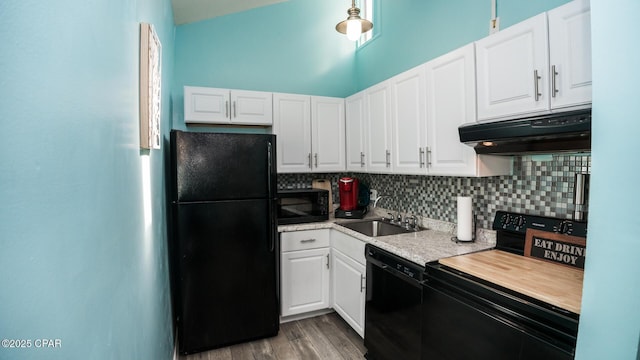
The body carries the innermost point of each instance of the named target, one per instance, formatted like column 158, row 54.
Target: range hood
column 558, row 132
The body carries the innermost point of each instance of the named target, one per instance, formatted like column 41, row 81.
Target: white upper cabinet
column 310, row 133
column 512, row 70
column 408, row 118
column 378, row 129
column 251, row 107
column 355, row 132
column 292, row 126
column 412, row 121
column 451, row 100
column 205, row 105
column 570, row 54
column 328, row 134
column 540, row 65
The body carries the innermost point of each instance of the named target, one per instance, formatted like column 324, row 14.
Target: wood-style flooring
column 325, row 337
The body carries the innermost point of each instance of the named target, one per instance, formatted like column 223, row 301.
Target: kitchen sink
column 377, row 227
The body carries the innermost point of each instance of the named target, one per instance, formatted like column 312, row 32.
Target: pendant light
column 354, row 25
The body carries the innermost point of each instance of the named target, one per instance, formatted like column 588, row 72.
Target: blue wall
column 289, row 47
column 82, row 259
column 610, row 321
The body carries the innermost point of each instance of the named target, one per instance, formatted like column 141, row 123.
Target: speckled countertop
column 419, row 247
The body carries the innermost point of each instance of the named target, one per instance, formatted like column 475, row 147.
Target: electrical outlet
column 494, row 25
column 373, row 194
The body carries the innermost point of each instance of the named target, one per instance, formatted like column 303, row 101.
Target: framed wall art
column 150, row 87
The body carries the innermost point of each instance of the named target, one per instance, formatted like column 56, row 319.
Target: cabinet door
column 328, row 134
column 292, row 126
column 355, row 132
column 408, row 116
column 251, row 107
column 305, row 281
column 348, row 279
column 206, row 105
column 451, row 102
column 379, row 138
column 507, row 63
column 570, row 54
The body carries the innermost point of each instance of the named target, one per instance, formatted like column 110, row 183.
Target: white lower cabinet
column 304, row 271
column 348, row 279
column 320, row 270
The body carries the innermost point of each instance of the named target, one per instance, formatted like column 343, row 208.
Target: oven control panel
column 519, row 223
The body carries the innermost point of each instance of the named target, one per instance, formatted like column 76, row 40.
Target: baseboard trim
column 305, row 315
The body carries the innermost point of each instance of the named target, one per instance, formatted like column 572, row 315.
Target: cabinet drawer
column 306, row 239
column 350, row 246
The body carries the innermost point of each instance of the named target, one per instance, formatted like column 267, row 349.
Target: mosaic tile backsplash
column 540, row 185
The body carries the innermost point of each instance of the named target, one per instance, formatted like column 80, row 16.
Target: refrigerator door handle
column 272, row 219
column 269, row 167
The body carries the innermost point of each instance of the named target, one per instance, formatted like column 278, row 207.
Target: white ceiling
column 187, row 11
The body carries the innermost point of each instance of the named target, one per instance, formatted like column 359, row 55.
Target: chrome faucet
column 375, row 202
column 410, row 225
column 393, row 218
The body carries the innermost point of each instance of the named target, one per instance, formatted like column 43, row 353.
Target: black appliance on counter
column 223, row 238
column 302, row 206
column 393, row 306
column 465, row 317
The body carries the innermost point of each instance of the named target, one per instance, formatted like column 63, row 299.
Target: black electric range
column 464, row 317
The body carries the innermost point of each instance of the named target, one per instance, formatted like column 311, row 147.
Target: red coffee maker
column 348, row 193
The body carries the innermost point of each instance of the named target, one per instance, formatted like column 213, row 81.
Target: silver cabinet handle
column 305, row 241
column 327, row 261
column 362, row 282
column 536, row 84
column 310, row 163
column 235, row 113
column 421, row 155
column 388, row 155
column 226, row 109
column 428, row 156
column 361, row 159
column 554, row 88
column 316, row 159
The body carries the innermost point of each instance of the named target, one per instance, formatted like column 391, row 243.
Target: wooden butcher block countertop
column 556, row 284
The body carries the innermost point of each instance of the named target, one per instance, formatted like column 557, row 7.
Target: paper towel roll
column 465, row 218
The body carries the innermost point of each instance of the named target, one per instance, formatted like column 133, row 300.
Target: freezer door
column 218, row 166
column 227, row 273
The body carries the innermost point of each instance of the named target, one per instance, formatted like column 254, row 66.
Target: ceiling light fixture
column 354, row 25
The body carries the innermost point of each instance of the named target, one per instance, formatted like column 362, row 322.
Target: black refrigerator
column 223, row 238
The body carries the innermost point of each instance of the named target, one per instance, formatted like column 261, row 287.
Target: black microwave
column 302, row 206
